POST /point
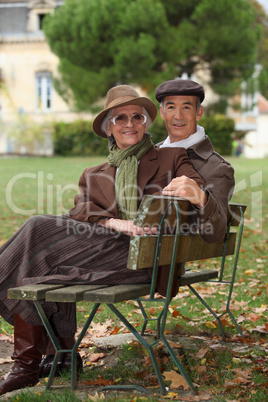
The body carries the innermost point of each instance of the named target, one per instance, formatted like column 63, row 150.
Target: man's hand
column 186, row 188
column 127, row 227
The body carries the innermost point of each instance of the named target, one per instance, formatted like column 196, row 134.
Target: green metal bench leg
column 218, row 317
column 179, row 365
column 145, row 344
column 122, row 387
column 152, row 354
column 56, row 345
column 77, row 343
column 235, row 323
column 53, row 338
column 146, row 319
column 230, row 283
column 210, row 310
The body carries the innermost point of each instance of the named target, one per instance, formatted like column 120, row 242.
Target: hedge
column 220, row 130
column 78, row 138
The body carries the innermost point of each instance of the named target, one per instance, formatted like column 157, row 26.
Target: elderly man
column 180, row 108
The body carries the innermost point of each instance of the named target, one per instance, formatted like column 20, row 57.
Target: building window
column 40, row 21
column 44, row 92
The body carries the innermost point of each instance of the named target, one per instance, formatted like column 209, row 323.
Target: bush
column 219, row 128
column 158, row 130
column 78, row 138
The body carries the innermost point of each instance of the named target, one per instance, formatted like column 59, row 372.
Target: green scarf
column 126, row 160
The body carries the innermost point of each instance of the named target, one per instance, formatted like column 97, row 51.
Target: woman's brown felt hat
column 122, row 95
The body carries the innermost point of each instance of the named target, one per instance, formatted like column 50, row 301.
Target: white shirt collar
column 188, row 142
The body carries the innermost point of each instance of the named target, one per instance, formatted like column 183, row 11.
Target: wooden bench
column 148, row 251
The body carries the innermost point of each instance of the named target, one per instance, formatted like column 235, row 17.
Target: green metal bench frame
column 238, row 209
column 110, row 295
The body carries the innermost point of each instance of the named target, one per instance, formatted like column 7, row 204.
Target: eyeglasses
column 122, row 119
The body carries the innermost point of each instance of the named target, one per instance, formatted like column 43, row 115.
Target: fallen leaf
column 176, row 379
column 201, row 353
column 96, row 397
column 240, row 319
column 245, row 373
column 152, row 310
column 260, row 310
column 170, row 395
column 240, row 349
column 5, row 360
column 100, row 381
column 99, row 329
column 138, row 311
column 175, row 345
column 175, row 313
column 94, row 357
column 254, row 317
column 4, row 337
column 115, row 331
column 202, row 396
column 217, row 346
column 236, row 360
column 201, row 369
column 240, row 303
column 210, row 324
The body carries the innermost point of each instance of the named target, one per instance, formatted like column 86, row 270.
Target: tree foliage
column 104, row 42
column 262, row 18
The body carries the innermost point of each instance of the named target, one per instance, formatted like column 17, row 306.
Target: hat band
column 118, row 101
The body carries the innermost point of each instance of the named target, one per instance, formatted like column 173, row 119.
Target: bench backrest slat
column 191, row 248
column 152, row 208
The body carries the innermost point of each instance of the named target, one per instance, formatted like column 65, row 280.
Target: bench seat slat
column 72, row 293
column 191, row 248
column 115, row 294
column 99, row 293
column 31, row 292
column 197, row 276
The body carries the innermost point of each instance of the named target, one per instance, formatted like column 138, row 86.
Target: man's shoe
column 64, row 363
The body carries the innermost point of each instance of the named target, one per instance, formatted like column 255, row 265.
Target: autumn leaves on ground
column 235, row 370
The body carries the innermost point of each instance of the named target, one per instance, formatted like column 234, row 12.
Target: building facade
column 252, row 119
column 28, row 101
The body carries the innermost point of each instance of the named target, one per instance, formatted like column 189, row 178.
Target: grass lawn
column 37, row 186
column 33, row 186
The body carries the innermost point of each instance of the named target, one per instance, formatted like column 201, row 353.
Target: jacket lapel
column 147, row 168
column 106, row 177
column 105, row 180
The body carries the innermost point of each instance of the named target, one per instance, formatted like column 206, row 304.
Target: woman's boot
column 29, row 344
column 64, row 362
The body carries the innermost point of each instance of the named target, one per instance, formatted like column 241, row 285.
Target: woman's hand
column 126, row 227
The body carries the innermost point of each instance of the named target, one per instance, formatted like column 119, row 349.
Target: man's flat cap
column 179, row 87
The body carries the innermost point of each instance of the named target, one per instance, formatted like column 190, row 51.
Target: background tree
column 102, row 43
column 262, row 19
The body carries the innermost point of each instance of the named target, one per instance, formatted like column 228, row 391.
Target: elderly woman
column 90, row 245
